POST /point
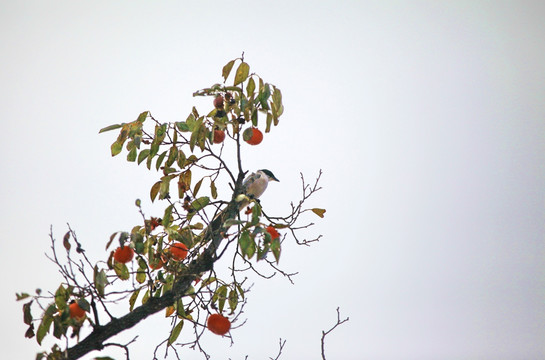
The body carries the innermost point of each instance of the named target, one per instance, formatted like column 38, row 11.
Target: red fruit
column 218, row 102
column 156, row 264
column 274, row 234
column 219, row 136
column 178, row 251
column 252, row 136
column 123, row 254
column 76, row 312
column 218, row 324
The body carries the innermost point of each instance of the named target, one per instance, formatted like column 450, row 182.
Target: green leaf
column 100, row 279
column 167, row 216
column 133, row 298
column 143, row 155
column 172, row 156
column 256, row 213
column 247, row 244
column 175, row 332
column 112, row 237
column 142, row 117
column 182, row 126
column 233, row 299
column 275, row 248
column 242, row 73
column 199, row 203
column 180, row 311
column 21, row 296
column 221, row 296
column 319, row 212
column 263, row 251
column 269, row 122
column 27, row 315
column 58, row 328
column 264, row 95
column 277, row 97
column 165, row 187
column 213, row 190
column 181, row 159
column 250, row 88
column 231, row 222
column 155, row 190
column 111, row 127
column 122, row 271
column 160, row 160
column 116, row 148
column 184, row 183
column 254, row 117
column 197, row 187
column 30, row 332
column 240, row 291
column 141, row 276
column 84, row 304
column 43, row 329
column 227, row 69
column 131, row 156
column 61, row 297
column 145, row 298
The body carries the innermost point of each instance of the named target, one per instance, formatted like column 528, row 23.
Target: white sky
column 427, row 119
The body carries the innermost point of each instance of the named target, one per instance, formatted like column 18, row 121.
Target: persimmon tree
column 169, row 262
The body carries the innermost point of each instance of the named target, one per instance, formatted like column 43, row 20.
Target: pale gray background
column 427, row 118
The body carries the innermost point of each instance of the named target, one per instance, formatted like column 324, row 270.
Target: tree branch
column 325, row 333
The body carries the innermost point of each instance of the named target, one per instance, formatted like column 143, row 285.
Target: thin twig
column 325, row 333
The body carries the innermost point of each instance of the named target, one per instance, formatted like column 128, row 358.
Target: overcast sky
column 427, row 118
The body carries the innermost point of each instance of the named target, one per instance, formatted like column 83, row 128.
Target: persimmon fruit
column 252, row 136
column 156, row 264
column 219, row 136
column 76, row 312
column 178, row 251
column 218, row 102
column 218, row 324
column 123, row 254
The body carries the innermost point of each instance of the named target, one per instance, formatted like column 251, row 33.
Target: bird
column 255, row 185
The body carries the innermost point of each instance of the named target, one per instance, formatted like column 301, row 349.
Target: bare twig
column 281, row 346
column 325, row 333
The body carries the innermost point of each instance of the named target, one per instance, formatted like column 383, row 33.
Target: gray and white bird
column 255, row 185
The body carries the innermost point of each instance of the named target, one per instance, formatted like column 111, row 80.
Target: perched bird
column 255, row 185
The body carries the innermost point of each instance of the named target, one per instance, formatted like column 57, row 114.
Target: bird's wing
column 250, row 180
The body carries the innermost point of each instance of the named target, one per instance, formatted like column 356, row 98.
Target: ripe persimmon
column 76, row 312
column 219, row 136
column 156, row 264
column 218, row 324
column 178, row 251
column 252, row 136
column 123, row 254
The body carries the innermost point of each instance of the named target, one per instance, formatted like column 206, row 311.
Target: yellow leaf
column 169, row 311
column 319, row 212
column 242, row 73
